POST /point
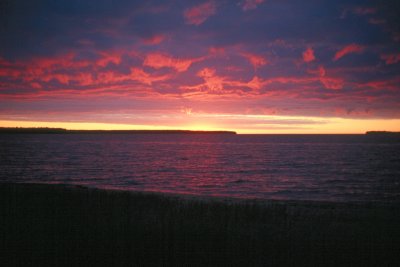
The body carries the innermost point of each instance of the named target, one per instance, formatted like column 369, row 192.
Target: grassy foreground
column 61, row 225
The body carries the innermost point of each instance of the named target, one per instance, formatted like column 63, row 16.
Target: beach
column 67, row 225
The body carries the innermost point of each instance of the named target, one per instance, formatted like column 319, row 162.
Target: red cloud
column 159, row 60
column 255, row 60
column 251, row 4
column 352, row 48
column 391, row 59
column 308, row 55
column 198, row 14
column 9, row 72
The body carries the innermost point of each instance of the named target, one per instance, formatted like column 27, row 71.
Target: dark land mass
column 46, row 130
column 58, row 225
column 382, row 133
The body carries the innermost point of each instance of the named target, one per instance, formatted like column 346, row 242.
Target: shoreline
column 214, row 198
column 77, row 225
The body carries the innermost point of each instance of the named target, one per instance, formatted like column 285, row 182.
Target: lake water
column 290, row 167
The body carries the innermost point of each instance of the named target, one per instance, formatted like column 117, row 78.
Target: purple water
column 291, row 167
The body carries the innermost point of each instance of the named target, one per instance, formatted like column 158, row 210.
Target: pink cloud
column 255, row 83
column 215, row 84
column 308, row 55
column 160, row 60
column 212, row 81
column 67, row 72
column 109, row 57
column 352, row 48
column 332, row 83
column 290, row 80
column 216, row 50
column 146, row 78
column 85, row 79
column 111, row 77
column 391, row 58
column 153, row 40
column 58, row 62
column 390, row 84
column 81, row 79
column 198, row 14
column 44, row 69
column 321, row 72
column 187, row 111
column 61, row 78
column 255, row 60
column 251, row 4
column 36, row 85
column 206, row 72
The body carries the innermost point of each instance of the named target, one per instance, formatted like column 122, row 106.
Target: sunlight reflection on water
column 312, row 167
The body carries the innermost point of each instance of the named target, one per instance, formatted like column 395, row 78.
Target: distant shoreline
column 49, row 130
column 382, row 133
column 46, row 130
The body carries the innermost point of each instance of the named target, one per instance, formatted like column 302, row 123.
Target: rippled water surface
column 313, row 167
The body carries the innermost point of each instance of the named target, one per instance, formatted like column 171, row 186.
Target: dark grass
column 61, row 225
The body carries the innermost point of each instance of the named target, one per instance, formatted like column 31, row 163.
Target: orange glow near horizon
column 232, row 123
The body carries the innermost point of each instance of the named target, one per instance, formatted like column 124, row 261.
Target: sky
column 253, row 66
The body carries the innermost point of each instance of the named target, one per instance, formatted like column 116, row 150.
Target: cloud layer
column 155, row 57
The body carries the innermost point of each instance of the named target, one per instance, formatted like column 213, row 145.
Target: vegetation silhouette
column 58, row 225
column 46, row 130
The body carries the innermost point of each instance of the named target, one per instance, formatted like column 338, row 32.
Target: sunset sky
column 253, row 66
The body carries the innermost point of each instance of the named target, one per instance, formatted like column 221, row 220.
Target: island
column 382, row 133
column 46, row 130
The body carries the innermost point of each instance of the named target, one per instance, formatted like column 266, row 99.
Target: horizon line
column 56, row 130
